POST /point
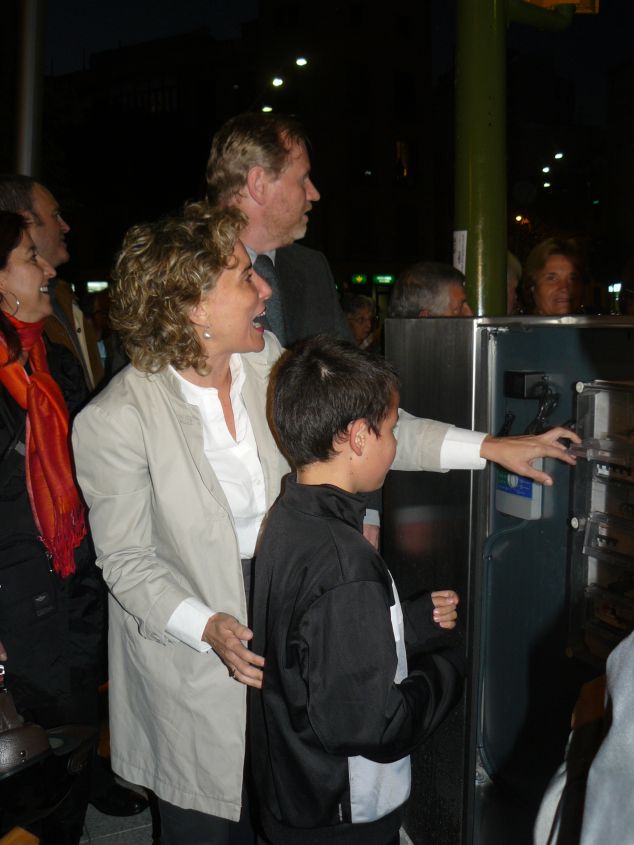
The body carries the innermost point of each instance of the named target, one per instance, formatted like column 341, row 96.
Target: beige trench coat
column 163, row 532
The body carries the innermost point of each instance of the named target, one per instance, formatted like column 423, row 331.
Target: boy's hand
column 225, row 635
column 445, row 603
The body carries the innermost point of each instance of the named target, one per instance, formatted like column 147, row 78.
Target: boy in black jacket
column 339, row 711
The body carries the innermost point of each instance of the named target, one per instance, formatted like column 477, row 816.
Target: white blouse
column 237, row 467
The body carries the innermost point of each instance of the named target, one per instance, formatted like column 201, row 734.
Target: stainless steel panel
column 480, row 778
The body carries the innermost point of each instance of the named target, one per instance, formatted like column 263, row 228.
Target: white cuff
column 461, row 449
column 372, row 517
column 187, row 623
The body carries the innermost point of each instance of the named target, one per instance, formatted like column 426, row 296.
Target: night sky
column 585, row 53
column 77, row 28
column 588, row 50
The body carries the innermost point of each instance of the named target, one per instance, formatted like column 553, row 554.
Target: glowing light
column 559, row 155
column 267, row 108
column 96, row 286
column 545, row 169
column 518, row 218
column 300, row 61
column 546, row 184
column 277, row 81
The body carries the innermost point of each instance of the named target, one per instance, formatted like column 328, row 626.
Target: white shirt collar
column 253, row 254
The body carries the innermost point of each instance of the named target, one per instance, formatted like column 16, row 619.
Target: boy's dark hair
column 318, row 388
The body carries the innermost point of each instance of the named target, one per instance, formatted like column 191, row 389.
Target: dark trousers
column 191, row 827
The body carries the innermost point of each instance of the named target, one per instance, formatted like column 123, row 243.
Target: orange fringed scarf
column 57, row 509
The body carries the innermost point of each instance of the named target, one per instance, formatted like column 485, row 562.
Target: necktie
column 274, row 314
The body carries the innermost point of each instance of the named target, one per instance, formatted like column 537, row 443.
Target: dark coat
column 50, row 627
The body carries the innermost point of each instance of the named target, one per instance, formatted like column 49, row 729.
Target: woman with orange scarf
column 50, row 592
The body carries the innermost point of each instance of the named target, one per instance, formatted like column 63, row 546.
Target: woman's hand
column 226, row 635
column 445, row 603
column 516, row 453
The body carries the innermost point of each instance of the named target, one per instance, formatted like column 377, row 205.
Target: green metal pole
column 480, row 238
column 480, row 188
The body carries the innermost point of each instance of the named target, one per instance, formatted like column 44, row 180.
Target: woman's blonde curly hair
column 162, row 271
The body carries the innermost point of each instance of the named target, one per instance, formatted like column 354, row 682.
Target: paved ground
column 111, row 830
column 136, row 830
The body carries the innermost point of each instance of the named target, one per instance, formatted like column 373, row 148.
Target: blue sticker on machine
column 517, row 485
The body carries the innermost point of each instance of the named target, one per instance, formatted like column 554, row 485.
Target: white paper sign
column 460, row 249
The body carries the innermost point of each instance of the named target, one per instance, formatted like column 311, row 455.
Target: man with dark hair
column 339, row 710
column 429, row 289
column 259, row 163
column 48, row 229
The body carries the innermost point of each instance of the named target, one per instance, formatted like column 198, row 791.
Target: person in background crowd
column 50, row 601
column 360, row 312
column 113, row 357
column 66, row 324
column 429, row 289
column 553, row 279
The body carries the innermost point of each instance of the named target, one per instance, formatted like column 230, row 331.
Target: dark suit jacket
column 311, row 305
column 309, row 297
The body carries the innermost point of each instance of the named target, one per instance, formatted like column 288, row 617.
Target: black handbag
column 21, row 743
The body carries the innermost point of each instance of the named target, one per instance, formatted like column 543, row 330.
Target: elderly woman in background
column 360, row 312
column 178, row 465
column 50, row 607
column 553, row 279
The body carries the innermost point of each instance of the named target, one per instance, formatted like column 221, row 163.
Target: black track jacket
column 338, row 715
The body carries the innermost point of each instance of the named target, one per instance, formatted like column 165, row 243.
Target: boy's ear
column 357, row 434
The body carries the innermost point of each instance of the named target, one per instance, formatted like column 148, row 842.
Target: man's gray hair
column 16, row 192
column 424, row 286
